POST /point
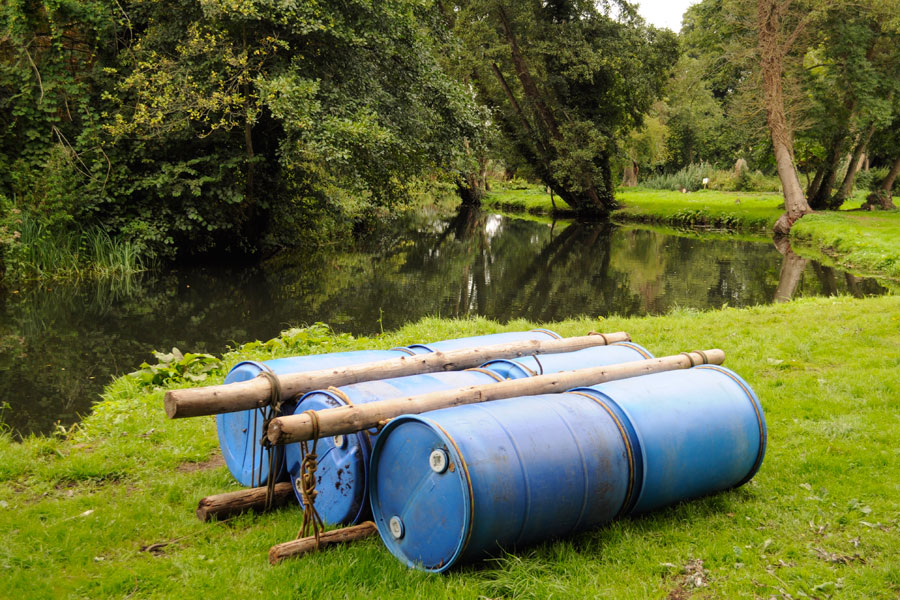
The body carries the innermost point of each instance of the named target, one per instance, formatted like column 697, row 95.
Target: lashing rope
column 312, row 522
column 271, row 453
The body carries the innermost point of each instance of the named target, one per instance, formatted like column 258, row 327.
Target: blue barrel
column 343, row 466
column 484, row 340
column 240, row 432
column 598, row 356
column 342, row 483
column 456, row 484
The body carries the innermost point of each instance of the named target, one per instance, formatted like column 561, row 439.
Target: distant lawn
column 868, row 242
column 109, row 512
column 864, row 242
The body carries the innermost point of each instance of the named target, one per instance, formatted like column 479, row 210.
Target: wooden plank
column 300, row 547
column 232, row 503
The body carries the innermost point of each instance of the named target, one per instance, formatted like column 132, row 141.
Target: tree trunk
column 888, row 184
column 852, row 169
column 772, row 62
column 813, row 188
column 819, row 197
column 594, row 201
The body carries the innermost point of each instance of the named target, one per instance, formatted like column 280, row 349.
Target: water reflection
column 60, row 344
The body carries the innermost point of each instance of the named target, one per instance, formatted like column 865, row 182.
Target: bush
column 691, row 178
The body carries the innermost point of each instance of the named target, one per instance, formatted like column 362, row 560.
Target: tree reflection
column 470, row 263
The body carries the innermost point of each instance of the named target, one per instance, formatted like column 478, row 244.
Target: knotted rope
column 312, row 522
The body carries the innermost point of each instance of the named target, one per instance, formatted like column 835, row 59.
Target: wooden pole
column 300, row 547
column 256, row 393
column 232, row 503
column 357, row 417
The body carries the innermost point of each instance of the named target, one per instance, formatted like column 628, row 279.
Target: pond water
column 60, row 344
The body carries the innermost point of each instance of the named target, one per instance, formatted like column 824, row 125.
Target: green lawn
column 867, row 242
column 863, row 242
column 820, row 519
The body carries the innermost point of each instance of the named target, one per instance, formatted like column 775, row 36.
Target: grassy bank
column 107, row 511
column 863, row 242
column 735, row 210
column 868, row 242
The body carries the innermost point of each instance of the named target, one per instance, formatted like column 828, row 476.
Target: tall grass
column 40, row 253
column 690, row 178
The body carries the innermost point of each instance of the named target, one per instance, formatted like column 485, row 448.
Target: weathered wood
column 300, row 547
column 255, row 393
column 232, row 503
column 357, row 417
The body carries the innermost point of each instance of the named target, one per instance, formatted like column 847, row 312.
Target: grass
column 79, row 511
column 866, row 242
column 39, row 253
column 862, row 242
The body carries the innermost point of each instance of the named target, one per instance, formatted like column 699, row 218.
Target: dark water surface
column 60, row 344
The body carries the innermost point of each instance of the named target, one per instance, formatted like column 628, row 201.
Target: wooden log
column 357, row 417
column 232, row 503
column 256, row 393
column 300, row 547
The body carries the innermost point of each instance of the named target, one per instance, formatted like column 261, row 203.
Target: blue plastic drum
column 240, row 432
column 343, row 464
column 484, row 340
column 457, row 484
column 598, row 356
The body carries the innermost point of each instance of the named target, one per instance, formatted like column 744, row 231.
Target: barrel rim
column 630, row 436
column 760, row 417
column 468, row 493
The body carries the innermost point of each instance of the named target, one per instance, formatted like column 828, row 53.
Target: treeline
column 188, row 127
column 814, row 82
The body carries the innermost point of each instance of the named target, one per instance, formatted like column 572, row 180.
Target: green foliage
column 175, row 367
column 691, row 178
column 185, row 128
column 32, row 250
column 567, row 80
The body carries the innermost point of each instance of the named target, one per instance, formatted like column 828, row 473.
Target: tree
column 777, row 29
column 565, row 80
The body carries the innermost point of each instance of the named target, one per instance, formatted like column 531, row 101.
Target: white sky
column 664, row 13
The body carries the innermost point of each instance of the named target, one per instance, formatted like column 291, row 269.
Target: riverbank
column 863, row 242
column 107, row 510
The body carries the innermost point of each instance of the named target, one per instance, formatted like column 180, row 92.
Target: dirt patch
column 213, row 462
column 692, row 576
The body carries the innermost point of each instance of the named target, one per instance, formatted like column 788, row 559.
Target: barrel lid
column 341, row 480
column 421, row 494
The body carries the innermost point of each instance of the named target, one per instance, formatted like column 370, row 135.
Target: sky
column 664, row 13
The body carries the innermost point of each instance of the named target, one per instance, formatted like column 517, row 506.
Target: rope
column 540, row 366
column 605, row 339
column 703, row 354
column 272, row 453
column 690, row 358
column 312, row 522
